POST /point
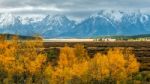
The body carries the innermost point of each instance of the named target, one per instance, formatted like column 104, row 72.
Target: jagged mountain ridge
column 114, row 23
column 57, row 26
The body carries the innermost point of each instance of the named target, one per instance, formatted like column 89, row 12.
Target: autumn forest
column 25, row 62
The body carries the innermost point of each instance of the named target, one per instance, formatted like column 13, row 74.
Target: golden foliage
column 81, row 52
column 20, row 57
column 26, row 61
column 116, row 64
column 99, row 67
column 67, row 57
column 132, row 65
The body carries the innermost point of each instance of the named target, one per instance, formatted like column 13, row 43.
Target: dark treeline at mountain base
column 26, row 63
column 125, row 37
column 20, row 37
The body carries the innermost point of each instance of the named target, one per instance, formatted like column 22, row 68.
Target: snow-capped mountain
column 53, row 26
column 114, row 23
column 47, row 26
column 105, row 22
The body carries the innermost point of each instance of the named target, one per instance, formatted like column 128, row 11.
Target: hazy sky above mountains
column 72, row 8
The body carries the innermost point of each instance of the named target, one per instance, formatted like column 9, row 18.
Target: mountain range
column 103, row 23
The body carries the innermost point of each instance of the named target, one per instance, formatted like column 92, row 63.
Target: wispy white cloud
column 30, row 8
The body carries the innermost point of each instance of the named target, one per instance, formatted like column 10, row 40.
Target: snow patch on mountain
column 31, row 18
column 144, row 18
column 112, row 14
column 7, row 19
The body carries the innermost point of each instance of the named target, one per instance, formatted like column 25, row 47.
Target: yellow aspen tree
column 132, row 65
column 80, row 72
column 116, row 64
column 80, row 68
column 70, row 65
column 18, row 58
column 32, row 56
column 7, row 58
column 67, row 57
column 99, row 67
column 81, row 52
column 48, row 71
column 63, row 72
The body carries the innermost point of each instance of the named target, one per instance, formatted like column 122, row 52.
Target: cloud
column 29, row 8
column 78, row 8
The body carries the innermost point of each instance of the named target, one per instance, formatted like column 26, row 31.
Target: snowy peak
column 118, row 15
column 8, row 19
column 110, row 14
column 31, row 19
column 56, row 20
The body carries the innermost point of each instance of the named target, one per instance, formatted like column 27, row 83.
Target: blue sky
column 72, row 8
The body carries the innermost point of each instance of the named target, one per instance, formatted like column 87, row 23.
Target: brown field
column 141, row 49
